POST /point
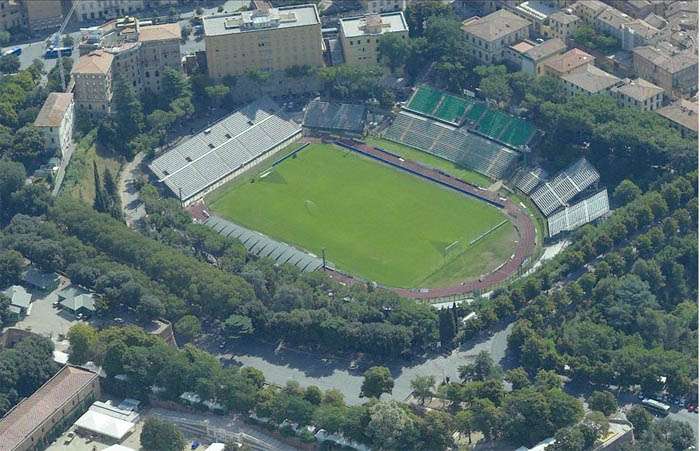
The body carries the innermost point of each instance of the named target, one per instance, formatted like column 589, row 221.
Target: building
column 359, row 36
column 111, row 423
column 89, row 10
column 20, row 299
column 532, row 61
column 537, row 12
column 589, row 81
column 44, row 281
column 638, row 33
column 683, row 116
column 34, row 421
column 10, row 15
column 92, row 75
column 383, row 6
column 77, row 301
column 588, row 10
column 488, row 37
column 42, row 15
column 566, row 63
column 562, row 24
column 639, row 94
column 635, row 8
column 55, row 120
column 267, row 40
column 611, row 22
column 138, row 54
column 675, row 71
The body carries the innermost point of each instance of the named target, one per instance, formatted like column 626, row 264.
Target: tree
column 149, row 308
column 463, row 423
column 518, row 378
column 4, row 38
column 10, row 267
column 53, row 83
column 174, row 85
column 101, row 202
column 12, row 176
column 82, row 339
column 128, row 112
column 112, row 194
column 67, row 40
column 422, row 387
column 625, row 192
column 159, row 435
column 377, row 380
column 27, row 145
column 640, row 418
column 484, row 417
column 237, row 326
column 187, row 328
column 667, row 434
column 391, row 426
column 446, row 327
column 482, row 369
column 603, row 401
column 393, row 49
column 9, row 64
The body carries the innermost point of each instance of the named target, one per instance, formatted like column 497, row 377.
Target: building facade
column 562, row 24
column 639, row 94
column 683, row 116
column 532, row 61
column 611, row 22
column 566, row 63
column 589, row 81
column 88, row 10
column 10, row 15
column 42, row 14
column 488, row 37
column 359, row 36
column 673, row 70
column 263, row 40
column 93, row 82
column 64, row 397
column 55, row 120
column 384, row 6
column 588, row 10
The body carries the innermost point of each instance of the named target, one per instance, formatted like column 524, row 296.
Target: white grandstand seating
column 528, row 178
column 579, row 214
column 225, row 147
column 557, row 192
column 449, row 143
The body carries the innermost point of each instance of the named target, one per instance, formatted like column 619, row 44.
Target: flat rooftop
column 374, row 24
column 259, row 20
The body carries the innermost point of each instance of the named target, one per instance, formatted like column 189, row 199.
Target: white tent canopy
column 105, row 425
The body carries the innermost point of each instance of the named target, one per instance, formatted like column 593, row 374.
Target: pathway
column 132, row 207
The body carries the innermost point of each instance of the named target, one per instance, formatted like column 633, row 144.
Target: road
column 326, row 373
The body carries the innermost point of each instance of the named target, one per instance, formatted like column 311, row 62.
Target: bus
column 16, row 51
column 656, row 406
column 54, row 52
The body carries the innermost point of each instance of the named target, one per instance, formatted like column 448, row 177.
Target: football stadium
column 370, row 219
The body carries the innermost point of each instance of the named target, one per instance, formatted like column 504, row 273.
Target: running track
column 521, row 221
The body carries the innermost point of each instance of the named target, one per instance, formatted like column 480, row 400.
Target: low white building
column 55, row 120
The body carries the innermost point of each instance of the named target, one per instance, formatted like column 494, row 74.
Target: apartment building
column 488, row 37
column 611, row 22
column 673, row 70
column 683, row 116
column 384, row 6
column 359, row 36
column 530, row 56
column 638, row 33
column 92, row 75
column 271, row 40
column 42, row 15
column 88, row 10
column 563, row 24
column 36, row 420
column 566, row 63
column 55, row 120
column 160, row 49
column 639, row 94
column 588, row 10
column 635, row 8
column 10, row 15
column 589, row 81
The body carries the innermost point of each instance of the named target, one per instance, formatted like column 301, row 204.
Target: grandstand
column 219, row 153
column 452, row 144
column 335, row 117
column 586, row 211
column 557, row 192
column 528, row 178
column 258, row 244
column 493, row 124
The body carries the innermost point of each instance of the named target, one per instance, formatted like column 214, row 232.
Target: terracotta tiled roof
column 683, row 112
column 32, row 412
column 570, row 60
column 97, row 62
column 54, row 109
column 159, row 32
column 495, row 26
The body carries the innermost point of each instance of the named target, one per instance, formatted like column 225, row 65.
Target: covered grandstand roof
column 264, row 246
column 453, row 144
column 212, row 154
column 557, row 192
column 586, row 211
column 335, row 116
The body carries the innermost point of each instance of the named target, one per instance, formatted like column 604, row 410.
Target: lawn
column 432, row 161
column 374, row 221
column 79, row 181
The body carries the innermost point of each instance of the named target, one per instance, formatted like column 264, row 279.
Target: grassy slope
column 79, row 181
column 430, row 160
column 374, row 221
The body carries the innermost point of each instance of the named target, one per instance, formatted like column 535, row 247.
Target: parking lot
column 46, row 319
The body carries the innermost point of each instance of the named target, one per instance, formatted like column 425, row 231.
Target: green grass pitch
column 374, row 221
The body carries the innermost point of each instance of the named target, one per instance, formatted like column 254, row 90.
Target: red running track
column 521, row 221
